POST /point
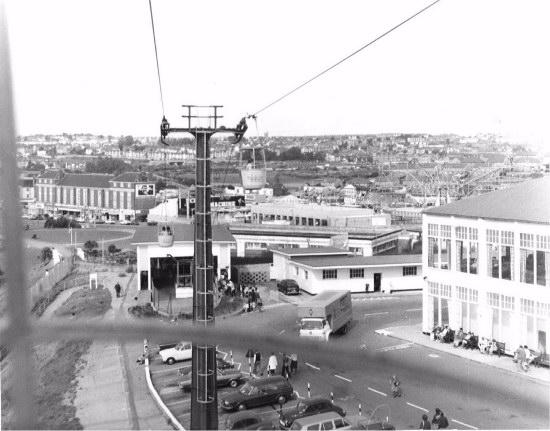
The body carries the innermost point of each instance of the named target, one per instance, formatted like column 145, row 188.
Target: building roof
column 52, row 174
column 85, row 180
column 528, row 202
column 359, row 261
column 131, row 177
column 182, row 233
column 311, row 251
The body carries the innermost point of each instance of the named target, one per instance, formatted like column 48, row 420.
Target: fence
column 52, row 276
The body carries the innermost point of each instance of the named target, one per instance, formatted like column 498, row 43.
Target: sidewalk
column 413, row 334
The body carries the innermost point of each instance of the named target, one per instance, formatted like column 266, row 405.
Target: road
column 471, row 394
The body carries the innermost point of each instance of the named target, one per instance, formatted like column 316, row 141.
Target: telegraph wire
column 156, row 55
column 346, row 58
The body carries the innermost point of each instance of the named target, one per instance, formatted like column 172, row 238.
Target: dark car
column 308, row 407
column 223, row 378
column 288, row 287
column 222, row 364
column 247, row 421
column 257, row 392
column 370, row 423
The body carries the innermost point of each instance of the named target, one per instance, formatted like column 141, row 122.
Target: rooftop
column 85, row 180
column 182, row 233
column 311, row 251
column 359, row 261
column 528, row 202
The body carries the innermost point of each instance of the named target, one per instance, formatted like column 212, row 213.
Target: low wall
column 250, row 274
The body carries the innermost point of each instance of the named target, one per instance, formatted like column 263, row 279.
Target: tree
column 112, row 249
column 90, row 246
column 46, row 254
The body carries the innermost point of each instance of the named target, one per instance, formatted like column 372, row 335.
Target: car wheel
column 170, row 361
column 233, row 383
column 281, row 399
column 241, row 407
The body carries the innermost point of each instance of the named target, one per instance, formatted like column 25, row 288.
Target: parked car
column 223, row 378
column 308, row 407
column 152, row 223
column 124, row 221
column 99, row 221
column 181, row 352
column 247, row 421
column 257, row 392
column 322, row 421
column 370, row 423
column 110, row 221
column 288, row 287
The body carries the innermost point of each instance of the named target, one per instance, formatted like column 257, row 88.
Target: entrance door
column 144, row 280
column 542, row 342
column 377, row 281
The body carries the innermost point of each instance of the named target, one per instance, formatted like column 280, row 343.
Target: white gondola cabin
column 252, row 167
column 165, row 235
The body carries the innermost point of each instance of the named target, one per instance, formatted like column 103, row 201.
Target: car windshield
column 246, row 389
column 312, row 324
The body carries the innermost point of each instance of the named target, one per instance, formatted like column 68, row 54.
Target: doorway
column 377, row 281
column 542, row 342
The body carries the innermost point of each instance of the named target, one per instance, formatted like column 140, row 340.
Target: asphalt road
column 471, row 394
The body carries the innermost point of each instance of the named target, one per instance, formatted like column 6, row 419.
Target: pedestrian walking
column 285, row 370
column 272, row 365
column 440, row 420
column 395, row 386
column 521, row 358
column 257, row 362
column 425, row 424
column 293, row 363
column 259, row 302
column 117, row 289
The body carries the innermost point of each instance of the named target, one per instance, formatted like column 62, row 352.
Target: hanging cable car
column 252, row 167
column 165, row 235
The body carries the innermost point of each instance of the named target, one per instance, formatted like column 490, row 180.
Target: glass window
column 445, row 231
column 526, row 240
column 473, row 258
column 445, row 254
column 433, row 253
column 461, row 256
column 493, row 263
column 433, row 230
column 409, row 270
column 357, row 273
column 527, row 306
column 527, row 266
column 543, row 267
column 330, row 273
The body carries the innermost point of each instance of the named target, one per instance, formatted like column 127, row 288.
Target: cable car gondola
column 252, row 167
column 165, row 235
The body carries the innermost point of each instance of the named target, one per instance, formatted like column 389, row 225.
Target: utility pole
column 204, row 400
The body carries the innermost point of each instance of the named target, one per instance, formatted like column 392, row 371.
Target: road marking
column 378, row 392
column 175, row 403
column 282, row 331
column 375, row 314
column 433, row 355
column 415, row 309
column 312, row 366
column 164, row 371
column 343, row 378
column 397, row 347
column 462, row 423
column 420, row 408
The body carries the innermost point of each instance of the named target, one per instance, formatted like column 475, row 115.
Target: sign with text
column 143, row 190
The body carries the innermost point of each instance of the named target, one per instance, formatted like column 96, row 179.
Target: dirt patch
column 85, row 304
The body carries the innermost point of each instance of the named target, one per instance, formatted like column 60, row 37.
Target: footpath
column 112, row 390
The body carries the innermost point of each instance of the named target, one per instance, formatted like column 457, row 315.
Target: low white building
column 487, row 265
column 323, row 268
column 172, row 266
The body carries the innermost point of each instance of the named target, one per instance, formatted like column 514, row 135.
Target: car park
column 288, row 287
column 181, row 352
column 257, row 392
column 322, row 421
column 308, row 407
column 223, row 378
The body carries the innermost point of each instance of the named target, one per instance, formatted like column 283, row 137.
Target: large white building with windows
column 486, row 262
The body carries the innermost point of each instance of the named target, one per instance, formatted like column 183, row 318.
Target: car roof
column 313, row 400
column 318, row 418
column 237, row 416
column 264, row 380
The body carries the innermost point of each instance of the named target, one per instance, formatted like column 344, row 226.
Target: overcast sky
column 463, row 66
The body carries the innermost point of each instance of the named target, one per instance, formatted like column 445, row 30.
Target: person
column 240, row 131
column 117, row 289
column 395, row 386
column 483, row 345
column 459, row 337
column 252, row 295
column 466, row 340
column 528, row 357
column 493, row 347
column 259, row 302
column 249, row 164
column 521, row 358
column 285, row 370
column 425, row 424
column 435, row 332
column 249, row 306
column 272, row 365
column 439, row 420
column 441, row 336
column 293, row 363
column 257, row 362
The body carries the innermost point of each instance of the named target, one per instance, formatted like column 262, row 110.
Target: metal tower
column 204, row 400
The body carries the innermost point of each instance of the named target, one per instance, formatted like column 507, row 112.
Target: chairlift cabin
column 252, row 167
column 165, row 235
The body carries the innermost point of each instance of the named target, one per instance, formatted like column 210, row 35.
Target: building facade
column 93, row 196
column 486, row 262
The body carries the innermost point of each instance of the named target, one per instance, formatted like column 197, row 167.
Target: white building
column 487, row 265
column 319, row 269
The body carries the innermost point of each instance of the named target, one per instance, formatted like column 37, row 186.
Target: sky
column 462, row 66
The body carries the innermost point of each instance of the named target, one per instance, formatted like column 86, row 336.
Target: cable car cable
column 156, row 56
column 346, row 58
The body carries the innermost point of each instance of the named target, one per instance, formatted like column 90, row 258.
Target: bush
column 46, row 254
column 143, row 311
column 61, row 223
column 121, row 274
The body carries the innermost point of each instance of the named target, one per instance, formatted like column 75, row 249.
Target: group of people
column 442, row 334
column 439, row 421
column 288, row 368
column 523, row 357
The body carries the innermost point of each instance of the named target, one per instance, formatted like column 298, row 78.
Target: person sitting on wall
column 441, row 336
column 459, row 338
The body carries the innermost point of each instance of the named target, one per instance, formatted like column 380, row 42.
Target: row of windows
column 86, row 197
column 360, row 272
column 494, row 300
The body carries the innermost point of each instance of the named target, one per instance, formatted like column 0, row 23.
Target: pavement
column 112, row 388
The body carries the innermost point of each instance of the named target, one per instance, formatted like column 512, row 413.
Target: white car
column 181, row 352
column 110, row 221
column 124, row 221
